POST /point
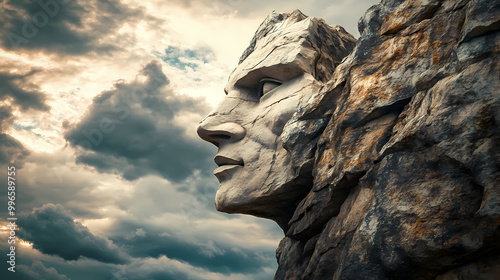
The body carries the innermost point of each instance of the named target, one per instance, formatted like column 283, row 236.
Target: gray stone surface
column 393, row 154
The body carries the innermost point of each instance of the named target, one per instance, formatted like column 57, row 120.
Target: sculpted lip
column 226, row 164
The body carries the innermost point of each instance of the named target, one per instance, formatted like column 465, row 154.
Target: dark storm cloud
column 130, row 130
column 23, row 93
column 34, row 265
column 207, row 254
column 66, row 26
column 38, row 271
column 11, row 150
column 54, row 232
column 19, row 92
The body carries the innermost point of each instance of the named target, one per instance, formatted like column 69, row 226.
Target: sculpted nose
column 217, row 132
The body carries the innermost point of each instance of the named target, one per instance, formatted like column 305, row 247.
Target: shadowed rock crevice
column 396, row 108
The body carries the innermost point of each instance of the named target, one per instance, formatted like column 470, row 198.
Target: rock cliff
column 406, row 172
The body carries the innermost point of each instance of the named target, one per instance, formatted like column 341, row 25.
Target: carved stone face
column 257, row 124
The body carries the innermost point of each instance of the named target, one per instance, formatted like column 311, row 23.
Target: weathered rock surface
column 406, row 173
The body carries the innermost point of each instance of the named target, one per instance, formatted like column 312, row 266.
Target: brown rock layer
column 406, row 173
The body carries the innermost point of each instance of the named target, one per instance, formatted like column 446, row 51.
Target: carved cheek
column 280, row 113
column 280, row 121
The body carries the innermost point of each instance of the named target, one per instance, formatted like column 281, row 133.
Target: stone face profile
column 379, row 158
column 264, row 169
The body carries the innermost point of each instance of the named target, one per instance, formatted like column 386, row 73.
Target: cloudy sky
column 99, row 103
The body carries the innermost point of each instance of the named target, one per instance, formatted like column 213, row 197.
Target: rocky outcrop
column 406, row 173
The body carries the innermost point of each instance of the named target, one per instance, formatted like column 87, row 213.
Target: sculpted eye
column 267, row 84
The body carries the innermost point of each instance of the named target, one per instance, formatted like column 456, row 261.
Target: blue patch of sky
column 184, row 58
column 18, row 126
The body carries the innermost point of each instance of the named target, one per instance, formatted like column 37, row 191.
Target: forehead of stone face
column 287, row 45
column 281, row 49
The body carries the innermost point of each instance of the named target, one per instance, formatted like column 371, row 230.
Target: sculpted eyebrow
column 250, row 79
column 282, row 72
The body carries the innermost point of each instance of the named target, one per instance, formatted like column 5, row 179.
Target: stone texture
column 393, row 154
column 406, row 177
